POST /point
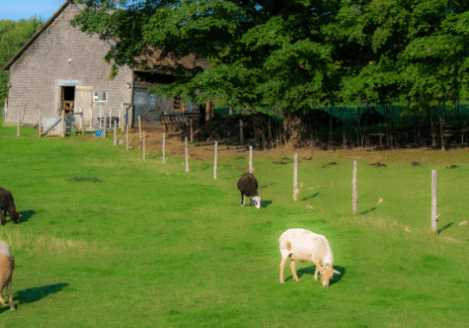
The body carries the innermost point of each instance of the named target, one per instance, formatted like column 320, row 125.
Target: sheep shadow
column 444, row 228
column 31, row 295
column 25, row 216
column 312, row 196
column 310, row 271
column 265, row 186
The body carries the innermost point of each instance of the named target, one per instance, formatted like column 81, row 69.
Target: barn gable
column 61, row 68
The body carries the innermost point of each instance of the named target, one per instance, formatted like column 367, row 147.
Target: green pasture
column 145, row 244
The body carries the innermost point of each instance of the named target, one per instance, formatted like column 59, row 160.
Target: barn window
column 100, row 96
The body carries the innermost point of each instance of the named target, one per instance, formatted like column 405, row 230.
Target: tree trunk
column 330, row 127
column 432, row 128
column 387, row 124
column 442, row 124
column 286, row 122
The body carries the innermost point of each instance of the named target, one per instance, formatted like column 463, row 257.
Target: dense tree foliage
column 296, row 54
column 13, row 35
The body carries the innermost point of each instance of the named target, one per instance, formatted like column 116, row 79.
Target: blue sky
column 24, row 9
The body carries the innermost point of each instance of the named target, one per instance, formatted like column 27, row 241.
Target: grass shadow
column 312, row 196
column 444, row 228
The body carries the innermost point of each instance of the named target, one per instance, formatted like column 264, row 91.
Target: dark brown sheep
column 7, row 204
column 247, row 184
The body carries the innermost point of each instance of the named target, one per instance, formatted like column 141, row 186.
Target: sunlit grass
column 150, row 245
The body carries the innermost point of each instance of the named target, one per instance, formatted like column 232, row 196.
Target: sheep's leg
column 243, row 199
column 318, row 267
column 10, row 300
column 1, row 297
column 282, row 266
column 293, row 270
column 3, row 217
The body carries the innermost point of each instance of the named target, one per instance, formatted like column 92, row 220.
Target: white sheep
column 247, row 184
column 7, row 264
column 306, row 246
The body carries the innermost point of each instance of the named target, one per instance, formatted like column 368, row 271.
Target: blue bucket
column 98, row 133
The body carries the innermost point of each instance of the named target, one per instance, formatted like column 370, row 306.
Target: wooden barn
column 61, row 69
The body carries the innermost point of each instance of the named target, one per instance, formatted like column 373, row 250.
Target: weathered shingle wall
column 35, row 74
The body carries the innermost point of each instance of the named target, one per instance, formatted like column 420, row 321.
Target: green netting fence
column 350, row 114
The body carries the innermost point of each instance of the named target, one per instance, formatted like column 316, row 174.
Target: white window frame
column 100, row 96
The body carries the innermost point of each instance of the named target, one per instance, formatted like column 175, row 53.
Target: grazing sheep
column 247, row 184
column 7, row 204
column 7, row 264
column 306, row 246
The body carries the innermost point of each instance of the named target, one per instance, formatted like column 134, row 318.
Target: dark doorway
column 68, row 99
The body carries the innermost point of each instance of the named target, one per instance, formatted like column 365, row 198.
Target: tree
column 415, row 49
column 285, row 56
column 13, row 35
column 276, row 55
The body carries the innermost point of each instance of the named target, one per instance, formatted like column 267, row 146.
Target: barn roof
column 150, row 55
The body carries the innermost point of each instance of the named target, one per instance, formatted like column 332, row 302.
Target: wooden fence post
column 64, row 126
column 295, row 177
column 18, row 125
column 355, row 191
column 215, row 162
column 39, row 125
column 139, row 128
column 434, row 202
column 100, row 118
column 143, row 137
column 250, row 159
column 187, row 161
column 104, row 127
column 121, row 118
column 91, row 119
column 126, row 137
column 82, row 121
column 163, row 147
column 115, row 141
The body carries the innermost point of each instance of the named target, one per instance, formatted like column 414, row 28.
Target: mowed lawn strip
column 151, row 245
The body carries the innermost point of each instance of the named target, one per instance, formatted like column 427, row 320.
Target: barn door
column 149, row 107
column 83, row 97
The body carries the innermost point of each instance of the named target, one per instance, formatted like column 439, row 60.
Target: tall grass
column 149, row 245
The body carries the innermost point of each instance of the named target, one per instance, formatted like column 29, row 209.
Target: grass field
column 150, row 245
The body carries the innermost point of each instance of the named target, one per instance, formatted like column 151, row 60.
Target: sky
column 24, row 9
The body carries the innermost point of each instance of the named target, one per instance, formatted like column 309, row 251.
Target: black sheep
column 247, row 184
column 7, row 205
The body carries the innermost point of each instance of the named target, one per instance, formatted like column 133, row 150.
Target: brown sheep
column 7, row 264
column 247, row 184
